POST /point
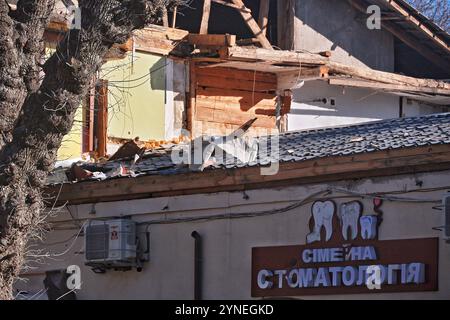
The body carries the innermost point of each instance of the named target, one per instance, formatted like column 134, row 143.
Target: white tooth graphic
column 323, row 217
column 368, row 227
column 349, row 214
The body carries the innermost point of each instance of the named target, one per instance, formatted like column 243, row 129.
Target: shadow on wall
column 158, row 75
column 334, row 24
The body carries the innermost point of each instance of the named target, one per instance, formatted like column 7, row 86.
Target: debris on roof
column 292, row 147
column 128, row 150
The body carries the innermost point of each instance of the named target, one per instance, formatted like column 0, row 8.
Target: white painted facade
column 227, row 243
column 351, row 106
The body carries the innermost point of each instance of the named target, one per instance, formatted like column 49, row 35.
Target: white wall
column 334, row 25
column 353, row 105
column 228, row 243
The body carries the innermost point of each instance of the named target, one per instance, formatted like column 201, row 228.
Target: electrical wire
column 65, row 251
column 327, row 191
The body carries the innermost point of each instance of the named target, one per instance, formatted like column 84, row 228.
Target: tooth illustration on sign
column 349, row 214
column 368, row 227
column 322, row 212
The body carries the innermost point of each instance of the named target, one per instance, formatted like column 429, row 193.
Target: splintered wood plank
column 263, row 20
column 205, row 17
column 253, row 25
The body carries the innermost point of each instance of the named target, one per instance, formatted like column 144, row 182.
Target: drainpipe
column 198, row 261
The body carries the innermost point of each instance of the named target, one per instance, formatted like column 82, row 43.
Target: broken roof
column 294, row 147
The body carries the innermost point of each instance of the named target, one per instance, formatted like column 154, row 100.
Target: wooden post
column 102, row 117
column 253, row 25
column 174, row 18
column 205, row 17
column 165, row 18
column 263, row 20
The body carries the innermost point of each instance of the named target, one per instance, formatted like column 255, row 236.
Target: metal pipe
column 198, row 262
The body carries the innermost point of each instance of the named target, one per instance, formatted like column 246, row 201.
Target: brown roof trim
column 381, row 163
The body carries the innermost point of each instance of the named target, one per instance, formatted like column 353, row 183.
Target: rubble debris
column 128, row 150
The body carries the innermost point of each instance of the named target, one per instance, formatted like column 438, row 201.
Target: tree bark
column 36, row 114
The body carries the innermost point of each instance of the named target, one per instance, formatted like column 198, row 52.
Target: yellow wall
column 136, row 102
column 136, row 96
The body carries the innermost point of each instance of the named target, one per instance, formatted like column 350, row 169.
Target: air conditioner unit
column 446, row 203
column 111, row 244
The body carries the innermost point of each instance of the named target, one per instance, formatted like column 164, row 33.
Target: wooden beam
column 418, row 24
column 253, row 25
column 288, row 80
column 385, row 77
column 386, row 87
column 286, row 24
column 174, row 18
column 228, row 4
column 276, row 56
column 191, row 107
column 205, row 17
column 212, row 40
column 263, row 21
column 158, row 40
column 373, row 164
column 409, row 40
column 102, row 117
column 165, row 18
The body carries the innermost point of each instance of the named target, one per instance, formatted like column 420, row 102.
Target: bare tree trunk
column 35, row 115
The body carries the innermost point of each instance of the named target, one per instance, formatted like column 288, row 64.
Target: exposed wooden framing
column 408, row 39
column 158, row 40
column 418, row 24
column 286, row 24
column 391, row 162
column 263, row 20
column 288, row 80
column 386, row 87
column 283, row 57
column 228, row 4
column 212, row 40
column 205, row 17
column 174, row 18
column 385, row 77
column 192, row 99
column 102, row 117
column 165, row 18
column 253, row 25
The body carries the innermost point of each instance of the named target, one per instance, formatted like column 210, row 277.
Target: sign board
column 343, row 256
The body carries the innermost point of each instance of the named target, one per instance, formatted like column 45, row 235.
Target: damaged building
column 217, row 151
